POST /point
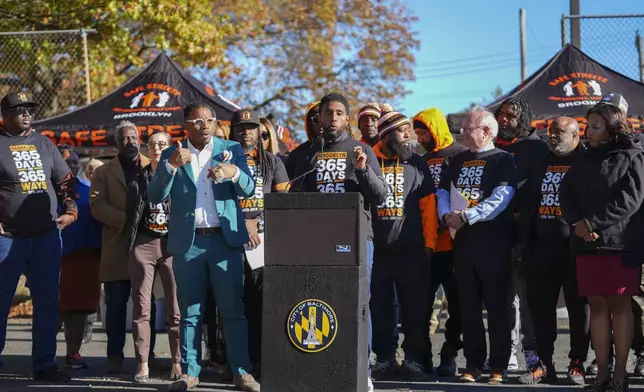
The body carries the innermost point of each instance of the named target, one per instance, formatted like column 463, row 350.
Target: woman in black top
column 601, row 194
column 147, row 227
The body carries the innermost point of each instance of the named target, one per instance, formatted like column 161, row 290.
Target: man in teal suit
column 203, row 176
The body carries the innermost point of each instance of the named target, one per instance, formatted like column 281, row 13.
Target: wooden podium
column 314, row 331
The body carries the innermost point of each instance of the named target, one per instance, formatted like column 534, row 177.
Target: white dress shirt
column 201, row 163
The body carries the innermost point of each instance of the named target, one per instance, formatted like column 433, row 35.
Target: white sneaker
column 369, row 385
column 513, row 363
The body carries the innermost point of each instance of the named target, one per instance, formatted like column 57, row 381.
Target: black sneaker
column 51, row 374
column 639, row 367
column 75, row 361
column 383, row 371
column 414, row 371
column 447, row 367
column 539, row 374
column 576, row 374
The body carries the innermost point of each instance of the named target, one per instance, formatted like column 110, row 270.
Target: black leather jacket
column 137, row 197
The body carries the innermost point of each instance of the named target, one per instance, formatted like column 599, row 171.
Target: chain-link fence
column 610, row 39
column 51, row 67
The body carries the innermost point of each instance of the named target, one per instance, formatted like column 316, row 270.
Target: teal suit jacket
column 182, row 190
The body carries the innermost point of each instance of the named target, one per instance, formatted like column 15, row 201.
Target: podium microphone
column 321, row 141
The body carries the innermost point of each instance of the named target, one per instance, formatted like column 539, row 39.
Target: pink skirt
column 606, row 275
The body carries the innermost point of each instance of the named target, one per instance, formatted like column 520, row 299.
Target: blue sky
column 469, row 47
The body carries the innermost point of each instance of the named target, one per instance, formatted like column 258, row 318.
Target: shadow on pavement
column 16, row 377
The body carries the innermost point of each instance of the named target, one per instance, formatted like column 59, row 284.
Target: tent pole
column 524, row 66
column 88, row 92
column 575, row 23
column 640, row 52
column 564, row 31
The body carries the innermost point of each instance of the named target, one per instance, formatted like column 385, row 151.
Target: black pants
column 549, row 269
column 637, row 304
column 253, row 285
column 408, row 276
column 483, row 270
column 442, row 273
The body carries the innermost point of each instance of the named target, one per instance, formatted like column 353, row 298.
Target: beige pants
column 146, row 259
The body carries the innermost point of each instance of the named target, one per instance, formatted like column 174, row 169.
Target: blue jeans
column 210, row 258
column 117, row 294
column 39, row 259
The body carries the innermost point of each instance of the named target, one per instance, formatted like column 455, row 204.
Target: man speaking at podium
column 343, row 164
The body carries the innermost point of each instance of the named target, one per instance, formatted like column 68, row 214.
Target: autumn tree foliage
column 273, row 55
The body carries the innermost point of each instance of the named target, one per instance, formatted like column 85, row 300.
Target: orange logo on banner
column 577, row 89
column 150, row 100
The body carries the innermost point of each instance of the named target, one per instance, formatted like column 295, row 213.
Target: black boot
column 51, row 374
column 447, row 367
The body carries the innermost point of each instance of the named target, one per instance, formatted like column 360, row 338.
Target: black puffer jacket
column 604, row 189
column 137, row 196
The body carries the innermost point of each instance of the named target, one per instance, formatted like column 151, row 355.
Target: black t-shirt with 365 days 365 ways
column 30, row 166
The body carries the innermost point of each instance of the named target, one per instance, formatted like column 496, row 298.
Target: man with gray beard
column 547, row 261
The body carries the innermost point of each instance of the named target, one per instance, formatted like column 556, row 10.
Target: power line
column 463, row 67
column 461, row 93
column 463, row 60
column 469, row 71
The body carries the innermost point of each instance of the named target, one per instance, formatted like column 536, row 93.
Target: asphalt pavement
column 16, row 374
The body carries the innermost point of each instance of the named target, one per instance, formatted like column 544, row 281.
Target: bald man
column 548, row 264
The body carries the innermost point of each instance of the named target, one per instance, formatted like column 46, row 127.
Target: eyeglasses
column 200, row 122
column 161, row 145
column 470, row 130
column 22, row 110
column 266, row 135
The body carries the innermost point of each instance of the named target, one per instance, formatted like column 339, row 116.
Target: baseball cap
column 13, row 100
column 616, row 100
column 244, row 116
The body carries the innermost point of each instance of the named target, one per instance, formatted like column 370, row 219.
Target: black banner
column 153, row 100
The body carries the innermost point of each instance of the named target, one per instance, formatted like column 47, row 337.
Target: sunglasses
column 266, row 135
column 22, row 110
column 200, row 122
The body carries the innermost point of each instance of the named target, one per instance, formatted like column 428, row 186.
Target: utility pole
column 524, row 65
column 640, row 51
column 575, row 27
